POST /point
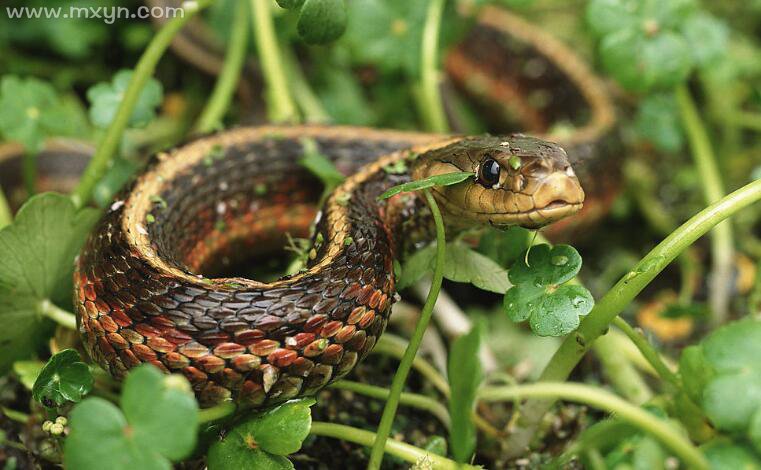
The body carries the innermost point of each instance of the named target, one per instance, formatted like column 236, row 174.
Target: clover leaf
column 322, row 21
column 552, row 309
column 659, row 123
column 30, row 111
column 723, row 454
column 465, row 375
column 157, row 424
column 386, row 34
column 647, row 45
column 264, row 440
column 105, row 99
column 38, row 257
column 723, row 375
column 64, row 378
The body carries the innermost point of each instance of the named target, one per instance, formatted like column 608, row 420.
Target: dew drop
column 578, row 301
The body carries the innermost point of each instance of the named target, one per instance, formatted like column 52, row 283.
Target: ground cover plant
column 625, row 337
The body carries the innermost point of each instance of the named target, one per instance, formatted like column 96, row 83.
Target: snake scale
column 141, row 289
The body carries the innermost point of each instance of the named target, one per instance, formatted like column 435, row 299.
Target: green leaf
column 642, row 63
column 158, row 423
column 754, row 431
column 27, row 372
column 226, row 458
column 105, row 99
column 30, row 111
column 504, row 246
column 463, row 264
column 708, row 37
column 446, row 179
column 537, row 296
column 386, row 34
column 562, row 311
column 465, row 375
column 322, row 21
column 722, row 454
column 36, row 257
column 609, row 16
column 64, row 378
column 319, row 165
column 727, row 374
column 261, row 440
column 546, row 266
column 290, row 4
column 659, row 123
column 416, row 266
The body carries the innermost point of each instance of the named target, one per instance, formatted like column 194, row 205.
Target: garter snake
column 141, row 292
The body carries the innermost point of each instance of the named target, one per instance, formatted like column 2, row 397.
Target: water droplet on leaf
column 559, row 260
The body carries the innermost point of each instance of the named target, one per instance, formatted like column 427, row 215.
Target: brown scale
column 140, row 297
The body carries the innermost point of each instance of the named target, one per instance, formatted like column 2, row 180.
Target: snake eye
column 488, row 173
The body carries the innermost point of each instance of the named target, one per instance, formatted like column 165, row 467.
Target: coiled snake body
column 140, row 295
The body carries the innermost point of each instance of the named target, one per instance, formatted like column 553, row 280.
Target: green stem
column 58, row 315
column 648, row 351
column 745, row 119
column 620, row 372
column 389, row 411
column 214, row 413
column 235, row 56
column 6, row 216
column 599, row 398
column 309, row 104
column 29, row 170
column 619, row 297
column 409, row 399
column 398, row 449
column 280, row 103
column 722, row 244
column 432, row 107
column 143, row 71
column 395, row 347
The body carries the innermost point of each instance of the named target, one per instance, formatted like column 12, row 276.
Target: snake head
column 518, row 180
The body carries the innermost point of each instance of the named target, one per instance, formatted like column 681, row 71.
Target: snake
column 150, row 284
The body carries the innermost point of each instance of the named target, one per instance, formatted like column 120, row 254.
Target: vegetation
column 644, row 356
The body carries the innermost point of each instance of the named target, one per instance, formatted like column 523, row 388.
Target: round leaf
column 658, row 122
column 608, row 16
column 546, row 266
column 105, row 99
column 231, row 454
column 322, row 21
column 162, row 411
column 99, row 435
column 64, row 378
column 707, row 35
column 559, row 312
column 641, row 63
column 523, row 301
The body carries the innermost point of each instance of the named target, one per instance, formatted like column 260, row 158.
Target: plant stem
column 432, row 107
column 389, row 411
column 58, row 315
column 280, row 104
column 648, row 351
column 598, row 398
column 29, row 170
column 235, row 56
column 310, row 106
column 617, row 298
column 6, row 216
column 395, row 347
column 143, row 71
column 214, row 413
column 722, row 243
column 620, row 372
column 398, row 449
column 410, row 399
